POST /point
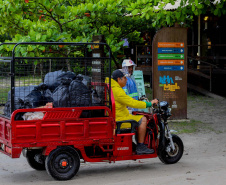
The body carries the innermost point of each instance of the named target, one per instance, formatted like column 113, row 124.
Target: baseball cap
column 118, row 73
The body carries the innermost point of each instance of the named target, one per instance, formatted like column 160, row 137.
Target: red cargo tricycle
column 79, row 121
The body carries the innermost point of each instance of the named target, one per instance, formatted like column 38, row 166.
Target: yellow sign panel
column 170, row 87
column 96, row 46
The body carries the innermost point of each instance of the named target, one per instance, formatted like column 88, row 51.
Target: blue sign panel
column 170, row 68
column 170, row 50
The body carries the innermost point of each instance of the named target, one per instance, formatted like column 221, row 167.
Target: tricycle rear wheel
column 172, row 157
column 63, row 163
column 35, row 159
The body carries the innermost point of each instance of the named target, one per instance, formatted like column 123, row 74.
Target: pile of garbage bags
column 63, row 89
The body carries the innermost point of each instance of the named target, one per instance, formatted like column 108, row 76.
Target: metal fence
column 63, row 74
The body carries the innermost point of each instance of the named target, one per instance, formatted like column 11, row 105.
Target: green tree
column 68, row 21
column 79, row 20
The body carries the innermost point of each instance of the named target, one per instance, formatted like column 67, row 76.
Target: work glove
column 148, row 104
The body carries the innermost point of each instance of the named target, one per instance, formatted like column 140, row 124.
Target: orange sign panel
column 170, row 62
column 170, row 44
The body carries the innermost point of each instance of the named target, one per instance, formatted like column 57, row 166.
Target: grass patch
column 186, row 127
column 27, row 81
column 19, row 82
column 3, row 97
column 193, row 126
column 192, row 96
column 211, row 104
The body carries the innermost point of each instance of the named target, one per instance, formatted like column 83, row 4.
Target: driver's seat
column 133, row 123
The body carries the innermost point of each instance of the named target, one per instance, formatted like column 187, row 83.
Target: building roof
column 172, row 7
column 169, row 6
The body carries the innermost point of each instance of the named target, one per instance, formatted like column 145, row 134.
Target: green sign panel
column 171, row 56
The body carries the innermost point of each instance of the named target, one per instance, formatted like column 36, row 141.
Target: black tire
column 172, row 156
column 35, row 159
column 63, row 163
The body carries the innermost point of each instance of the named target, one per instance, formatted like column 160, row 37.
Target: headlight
column 164, row 105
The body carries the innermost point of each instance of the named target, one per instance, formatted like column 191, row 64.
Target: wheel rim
column 63, row 163
column 175, row 152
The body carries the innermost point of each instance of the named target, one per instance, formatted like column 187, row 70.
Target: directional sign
column 170, row 62
column 171, row 56
column 170, row 50
column 170, row 68
column 170, row 44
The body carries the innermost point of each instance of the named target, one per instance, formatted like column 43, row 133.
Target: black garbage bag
column 46, row 93
column 35, row 98
column 50, row 79
column 96, row 100
column 7, row 109
column 27, row 98
column 18, row 104
column 42, row 87
column 60, row 95
column 53, row 79
column 21, row 92
column 39, row 96
column 80, row 95
column 20, row 95
column 86, row 80
column 66, row 75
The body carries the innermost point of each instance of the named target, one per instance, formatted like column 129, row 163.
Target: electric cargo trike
column 57, row 110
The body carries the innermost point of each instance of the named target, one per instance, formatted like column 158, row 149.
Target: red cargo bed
column 59, row 126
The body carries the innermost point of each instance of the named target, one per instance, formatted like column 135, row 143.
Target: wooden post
column 170, row 69
column 98, row 77
column 98, row 65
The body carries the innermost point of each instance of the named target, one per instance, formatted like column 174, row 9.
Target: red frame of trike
column 98, row 131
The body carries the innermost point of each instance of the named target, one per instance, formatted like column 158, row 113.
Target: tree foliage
column 79, row 20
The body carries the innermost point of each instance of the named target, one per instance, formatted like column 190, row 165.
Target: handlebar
column 154, row 104
column 162, row 107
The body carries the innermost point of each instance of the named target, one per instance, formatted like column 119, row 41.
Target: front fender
column 162, row 138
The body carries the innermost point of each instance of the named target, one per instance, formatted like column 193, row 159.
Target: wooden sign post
column 98, row 77
column 170, row 69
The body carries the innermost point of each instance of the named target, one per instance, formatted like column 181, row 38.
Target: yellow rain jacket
column 122, row 101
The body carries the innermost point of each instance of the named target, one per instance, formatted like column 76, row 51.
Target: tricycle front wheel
column 63, row 163
column 168, row 156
